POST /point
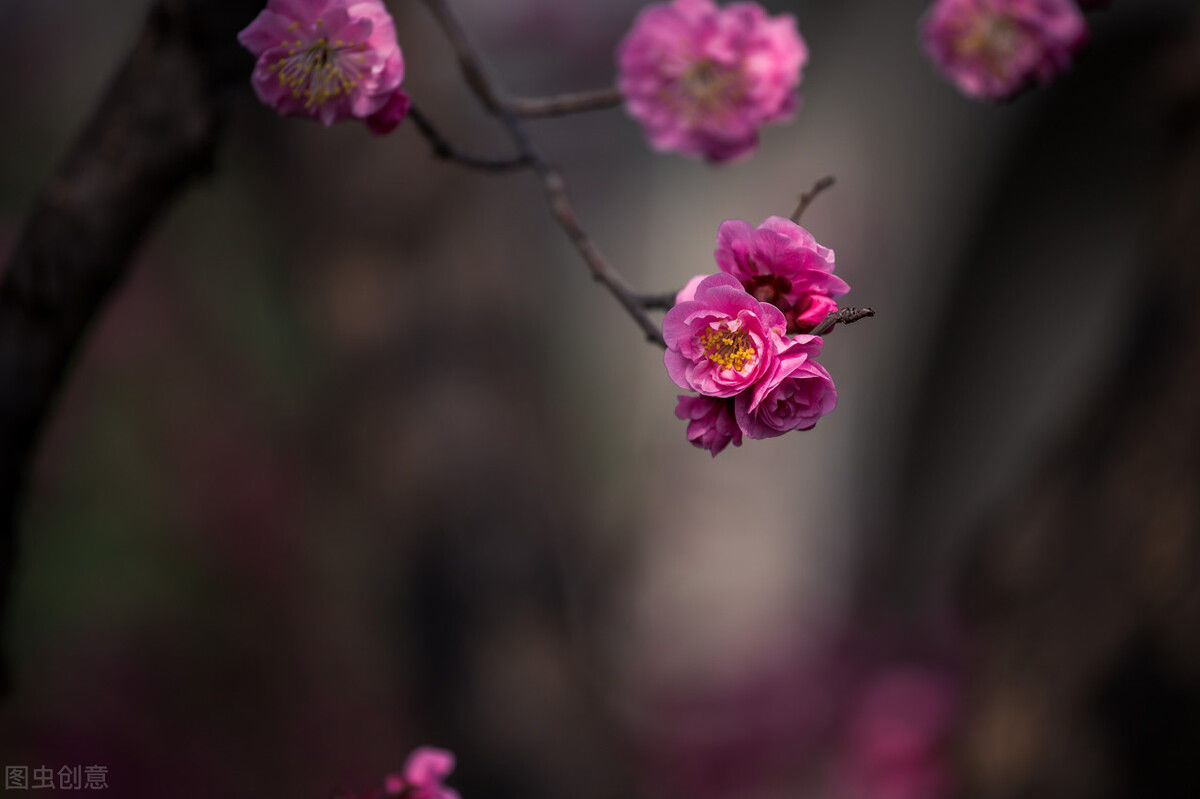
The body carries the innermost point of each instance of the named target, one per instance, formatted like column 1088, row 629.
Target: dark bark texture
column 152, row 133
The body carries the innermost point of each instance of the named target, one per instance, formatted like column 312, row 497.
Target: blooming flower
column 722, row 341
column 423, row 775
column 796, row 393
column 992, row 49
column 712, row 425
column 329, row 60
column 782, row 263
column 703, row 80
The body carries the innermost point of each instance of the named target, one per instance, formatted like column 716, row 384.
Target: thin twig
column 846, row 316
column 554, row 186
column 807, row 197
column 444, row 150
column 562, row 104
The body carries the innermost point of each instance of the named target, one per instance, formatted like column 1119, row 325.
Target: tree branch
column 553, row 184
column 564, row 104
column 444, row 150
column 154, row 131
column 846, row 316
column 807, row 197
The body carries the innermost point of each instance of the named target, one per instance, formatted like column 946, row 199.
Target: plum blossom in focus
column 752, row 378
column 328, row 60
column 741, row 338
column 703, row 80
column 722, row 341
column 992, row 49
column 781, row 263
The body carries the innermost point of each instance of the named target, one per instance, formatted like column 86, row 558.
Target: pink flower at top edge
column 711, row 424
column 328, row 60
column 794, row 396
column 722, row 341
column 992, row 49
column 781, row 263
column 703, row 80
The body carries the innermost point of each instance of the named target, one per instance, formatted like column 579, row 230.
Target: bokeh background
column 360, row 459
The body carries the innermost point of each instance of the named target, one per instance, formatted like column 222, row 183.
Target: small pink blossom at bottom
column 703, row 80
column 423, row 775
column 328, row 60
column 992, row 49
column 711, row 424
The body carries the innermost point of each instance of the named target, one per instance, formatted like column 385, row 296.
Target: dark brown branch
column 444, row 150
column 154, row 131
column 807, row 197
column 563, row 104
column 846, row 316
column 553, row 184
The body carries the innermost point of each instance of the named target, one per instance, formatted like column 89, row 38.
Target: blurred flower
column 897, row 737
column 992, row 49
column 794, row 396
column 782, row 263
column 712, row 425
column 328, row 60
column 423, row 776
column 703, row 81
column 723, row 341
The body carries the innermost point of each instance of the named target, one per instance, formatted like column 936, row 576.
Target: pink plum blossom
column 711, row 424
column 423, row 776
column 328, row 60
column 703, row 80
column 722, row 341
column 781, row 263
column 992, row 49
column 792, row 396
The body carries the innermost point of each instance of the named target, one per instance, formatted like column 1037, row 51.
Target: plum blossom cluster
column 993, row 49
column 423, row 777
column 328, row 60
column 741, row 339
column 702, row 80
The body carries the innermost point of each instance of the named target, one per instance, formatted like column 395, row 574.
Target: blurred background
column 360, row 459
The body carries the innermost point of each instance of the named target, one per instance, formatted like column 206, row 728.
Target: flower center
column 993, row 39
column 728, row 348
column 320, row 70
column 711, row 87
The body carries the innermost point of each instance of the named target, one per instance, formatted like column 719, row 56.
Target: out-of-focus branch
column 153, row 132
column 446, row 151
column 658, row 302
column 845, row 316
column 563, row 104
column 807, row 197
column 553, row 184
